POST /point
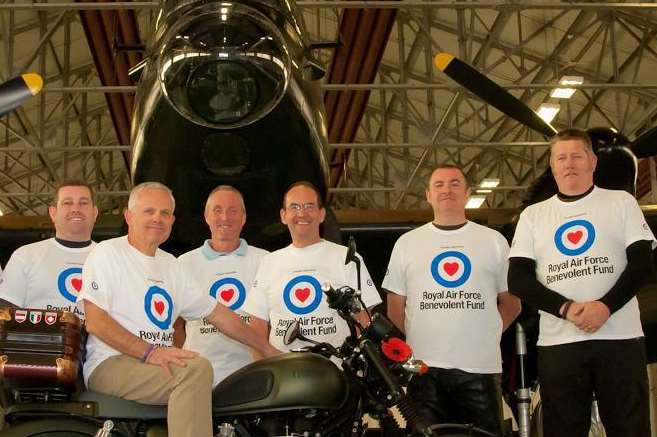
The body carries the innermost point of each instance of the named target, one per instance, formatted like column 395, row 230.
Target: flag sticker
column 20, row 316
column 35, row 317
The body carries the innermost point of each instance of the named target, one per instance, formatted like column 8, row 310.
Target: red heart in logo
column 450, row 268
column 76, row 283
column 302, row 293
column 227, row 295
column 574, row 237
column 159, row 307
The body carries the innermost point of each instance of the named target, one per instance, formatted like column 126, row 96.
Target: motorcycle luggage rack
column 20, row 392
column 40, row 395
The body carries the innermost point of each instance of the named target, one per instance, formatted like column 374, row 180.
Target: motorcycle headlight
column 224, row 65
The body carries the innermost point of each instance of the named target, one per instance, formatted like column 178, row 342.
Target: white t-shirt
column 227, row 279
column 45, row 275
column 288, row 287
column 144, row 294
column 579, row 249
column 451, row 279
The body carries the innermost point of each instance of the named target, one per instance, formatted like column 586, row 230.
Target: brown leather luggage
column 39, row 347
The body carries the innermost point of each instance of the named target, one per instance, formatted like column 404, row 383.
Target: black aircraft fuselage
column 229, row 94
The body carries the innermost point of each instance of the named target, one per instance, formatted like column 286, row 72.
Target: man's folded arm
column 524, row 284
column 232, row 325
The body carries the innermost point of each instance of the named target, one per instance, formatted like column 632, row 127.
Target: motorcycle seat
column 114, row 407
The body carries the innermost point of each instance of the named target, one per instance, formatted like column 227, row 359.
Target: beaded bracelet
column 148, row 353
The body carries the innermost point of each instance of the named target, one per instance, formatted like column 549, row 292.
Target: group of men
column 577, row 257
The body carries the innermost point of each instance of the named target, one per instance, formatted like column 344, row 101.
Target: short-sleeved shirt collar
column 211, row 254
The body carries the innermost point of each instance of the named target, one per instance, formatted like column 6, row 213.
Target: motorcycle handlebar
column 325, row 349
column 343, row 299
column 346, row 301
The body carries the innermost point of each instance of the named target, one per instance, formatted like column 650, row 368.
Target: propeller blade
column 16, row 91
column 491, row 93
column 645, row 145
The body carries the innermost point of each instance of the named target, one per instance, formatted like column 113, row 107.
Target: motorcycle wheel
column 53, row 428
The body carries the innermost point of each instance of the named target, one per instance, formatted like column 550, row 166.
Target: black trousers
column 455, row 396
column 614, row 369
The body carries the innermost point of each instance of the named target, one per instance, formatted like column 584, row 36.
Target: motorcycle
column 301, row 393
column 305, row 393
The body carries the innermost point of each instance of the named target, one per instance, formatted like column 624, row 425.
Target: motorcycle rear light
column 396, row 349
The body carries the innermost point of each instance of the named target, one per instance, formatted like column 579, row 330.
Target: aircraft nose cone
column 223, row 65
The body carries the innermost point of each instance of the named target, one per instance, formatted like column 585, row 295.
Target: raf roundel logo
column 230, row 292
column 574, row 237
column 69, row 283
column 302, row 294
column 158, row 307
column 451, row 269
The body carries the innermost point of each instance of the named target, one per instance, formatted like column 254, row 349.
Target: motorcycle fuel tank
column 295, row 380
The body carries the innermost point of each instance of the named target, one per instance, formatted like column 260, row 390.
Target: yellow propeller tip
column 442, row 60
column 34, row 82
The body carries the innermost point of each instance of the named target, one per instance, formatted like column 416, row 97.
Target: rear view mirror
column 291, row 333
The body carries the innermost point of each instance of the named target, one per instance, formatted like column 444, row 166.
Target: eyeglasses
column 310, row 207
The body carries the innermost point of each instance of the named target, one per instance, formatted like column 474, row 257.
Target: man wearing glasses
column 287, row 286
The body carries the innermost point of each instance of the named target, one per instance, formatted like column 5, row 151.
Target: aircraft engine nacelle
column 229, row 94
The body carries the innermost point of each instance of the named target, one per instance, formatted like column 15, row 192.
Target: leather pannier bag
column 39, row 347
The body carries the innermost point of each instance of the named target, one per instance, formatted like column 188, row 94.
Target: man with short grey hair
column 132, row 292
column 136, row 191
column 225, row 266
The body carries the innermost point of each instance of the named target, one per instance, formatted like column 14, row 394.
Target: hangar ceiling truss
column 412, row 116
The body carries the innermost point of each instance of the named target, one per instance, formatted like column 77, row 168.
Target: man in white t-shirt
column 288, row 283
column 579, row 257
column 132, row 292
column 225, row 267
column 448, row 292
column 48, row 274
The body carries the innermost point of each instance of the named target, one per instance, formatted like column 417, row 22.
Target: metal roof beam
column 499, row 5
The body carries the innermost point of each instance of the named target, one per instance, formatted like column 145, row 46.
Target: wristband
column 566, row 307
column 147, row 354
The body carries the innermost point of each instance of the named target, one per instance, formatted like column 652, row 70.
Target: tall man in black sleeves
column 580, row 257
